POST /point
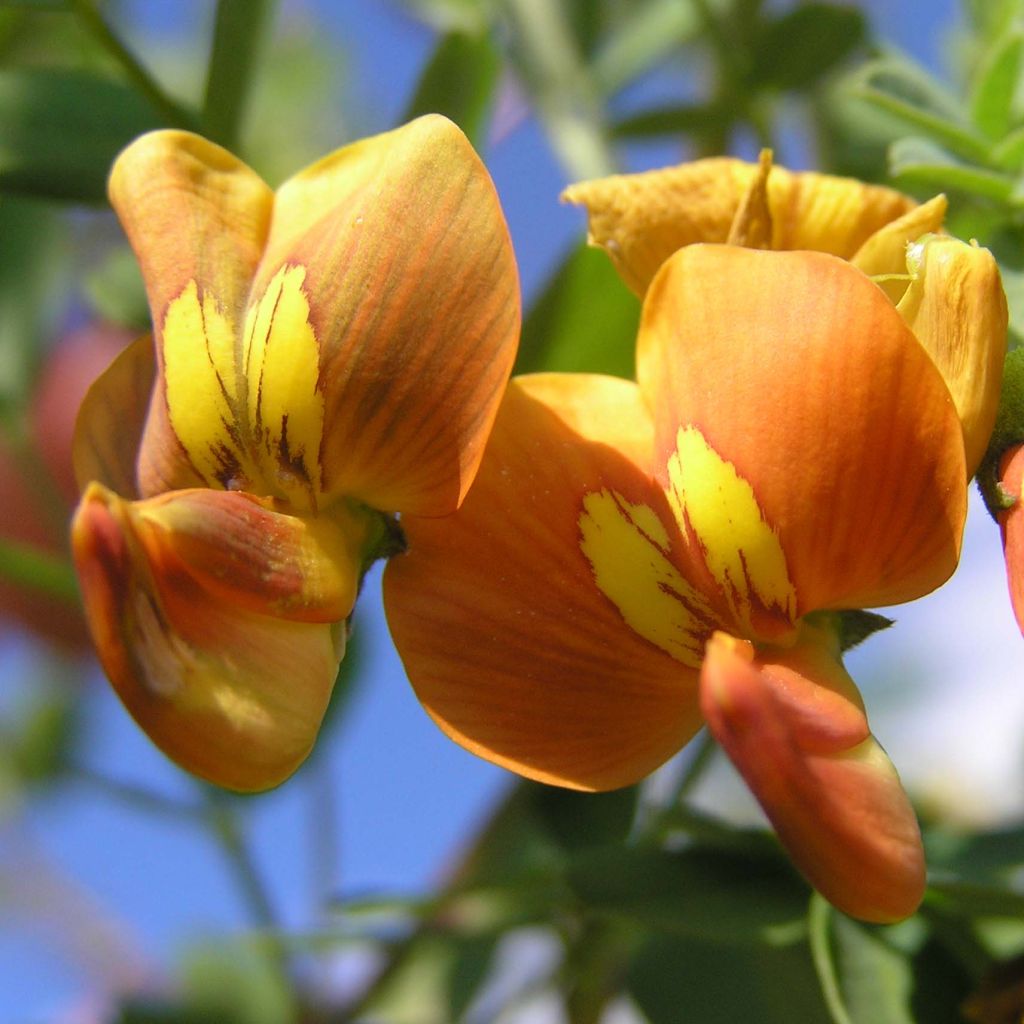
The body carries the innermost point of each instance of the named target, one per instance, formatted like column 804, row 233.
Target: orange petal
column 1011, row 524
column 230, row 679
column 413, row 299
column 956, row 308
column 641, row 219
column 793, row 724
column 509, row 642
column 111, row 419
column 197, row 219
column 802, row 382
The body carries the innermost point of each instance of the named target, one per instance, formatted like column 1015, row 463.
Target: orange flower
column 635, row 558
column 1011, row 525
column 325, row 356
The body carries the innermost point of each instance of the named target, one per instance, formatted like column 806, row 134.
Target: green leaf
column 708, row 894
column 240, row 30
column 460, row 82
column 686, row 979
column 995, row 95
column 60, row 131
column 912, row 96
column 585, row 320
column 40, row 750
column 915, row 162
column 471, row 16
column 877, row 980
column 797, row 49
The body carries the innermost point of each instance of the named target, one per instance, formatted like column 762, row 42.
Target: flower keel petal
column 228, row 692
column 793, row 724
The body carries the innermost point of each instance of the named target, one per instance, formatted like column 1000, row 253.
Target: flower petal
column 229, row 678
column 497, row 611
column 797, row 372
column 111, row 419
column 198, row 220
column 885, row 252
column 413, row 300
column 641, row 219
column 956, row 307
column 1011, row 525
column 793, row 724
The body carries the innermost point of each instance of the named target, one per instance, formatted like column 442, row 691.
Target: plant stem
column 175, row 114
column 818, row 915
column 238, row 33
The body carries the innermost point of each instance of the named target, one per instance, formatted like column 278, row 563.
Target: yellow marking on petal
column 627, row 547
column 202, row 387
column 718, row 510
column 285, row 404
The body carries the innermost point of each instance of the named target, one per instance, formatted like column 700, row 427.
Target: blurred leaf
column 913, row 97
column 798, row 48
column 876, row 980
column 995, row 94
column 558, row 82
column 580, row 820
column 459, row 82
column 239, row 33
column 971, row 899
column 655, row 30
column 696, row 119
column 922, row 163
column 1009, row 153
column 60, row 131
column 30, row 566
column 44, row 737
column 977, row 856
column 675, row 980
column 585, row 320
column 115, row 290
column 234, row 981
column 34, row 251
column 138, row 1010
column 708, row 894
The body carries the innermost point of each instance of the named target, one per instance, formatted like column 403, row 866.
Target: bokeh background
column 104, row 889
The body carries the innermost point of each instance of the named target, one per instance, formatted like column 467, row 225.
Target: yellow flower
column 325, row 356
column 637, row 558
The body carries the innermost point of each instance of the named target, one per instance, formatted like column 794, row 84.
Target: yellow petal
column 793, row 724
column 884, row 255
column 513, row 639
column 413, row 300
column 111, row 419
column 229, row 678
column 956, row 307
column 641, row 219
column 794, row 370
column 198, row 220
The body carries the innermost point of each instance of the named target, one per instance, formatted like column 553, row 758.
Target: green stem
column 174, row 113
column 818, row 914
column 238, row 33
column 28, row 566
column 139, row 796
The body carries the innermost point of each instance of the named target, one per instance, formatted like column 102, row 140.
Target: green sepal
column 1008, row 431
